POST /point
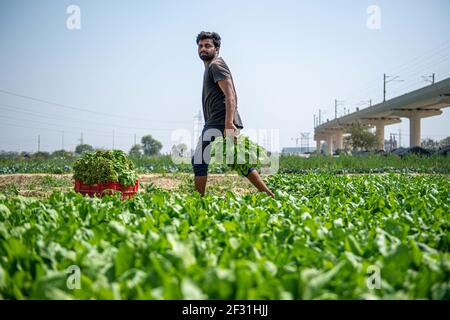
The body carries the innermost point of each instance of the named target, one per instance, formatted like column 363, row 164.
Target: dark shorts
column 200, row 160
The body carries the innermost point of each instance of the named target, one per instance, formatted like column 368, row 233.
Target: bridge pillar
column 329, row 140
column 379, row 125
column 339, row 136
column 414, row 129
column 414, row 117
column 318, row 141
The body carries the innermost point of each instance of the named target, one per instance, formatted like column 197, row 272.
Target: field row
column 287, row 164
column 324, row 236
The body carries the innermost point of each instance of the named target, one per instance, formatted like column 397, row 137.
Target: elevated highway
column 415, row 105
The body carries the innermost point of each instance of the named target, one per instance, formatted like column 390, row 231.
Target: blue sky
column 137, row 61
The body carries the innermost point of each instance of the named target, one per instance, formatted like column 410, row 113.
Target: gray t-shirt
column 213, row 98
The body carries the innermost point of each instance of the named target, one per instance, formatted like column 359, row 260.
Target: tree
column 429, row 143
column 361, row 137
column 62, row 154
column 41, row 155
column 445, row 142
column 135, row 151
column 83, row 148
column 179, row 150
column 150, row 145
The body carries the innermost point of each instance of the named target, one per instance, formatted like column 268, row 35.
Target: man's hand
column 231, row 131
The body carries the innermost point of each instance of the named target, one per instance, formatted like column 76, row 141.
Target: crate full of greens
column 103, row 172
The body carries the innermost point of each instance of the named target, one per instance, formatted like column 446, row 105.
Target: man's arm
column 230, row 104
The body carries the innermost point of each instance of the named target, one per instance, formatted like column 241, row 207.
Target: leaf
column 124, row 259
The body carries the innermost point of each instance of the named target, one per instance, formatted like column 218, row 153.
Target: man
column 219, row 110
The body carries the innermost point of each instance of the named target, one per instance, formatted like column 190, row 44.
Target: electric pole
column 429, row 78
column 305, row 138
column 336, row 103
column 62, row 141
column 197, row 124
column 39, row 143
column 335, row 108
column 385, row 81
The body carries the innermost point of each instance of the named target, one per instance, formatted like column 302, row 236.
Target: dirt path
column 42, row 185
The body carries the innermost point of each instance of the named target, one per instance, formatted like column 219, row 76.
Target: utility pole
column 62, row 142
column 390, row 142
column 305, row 138
column 335, row 108
column 314, row 121
column 265, row 142
column 81, row 138
column 39, row 143
column 429, row 78
column 385, row 81
column 336, row 103
column 197, row 124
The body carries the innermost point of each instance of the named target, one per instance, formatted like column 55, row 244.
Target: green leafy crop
column 324, row 236
column 239, row 156
column 105, row 166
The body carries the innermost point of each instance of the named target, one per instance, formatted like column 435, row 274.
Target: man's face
column 206, row 50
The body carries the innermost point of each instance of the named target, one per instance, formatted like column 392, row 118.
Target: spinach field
column 324, row 236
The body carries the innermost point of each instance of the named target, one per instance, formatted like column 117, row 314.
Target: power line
column 81, row 109
column 59, row 119
column 51, row 116
column 370, row 85
column 386, row 80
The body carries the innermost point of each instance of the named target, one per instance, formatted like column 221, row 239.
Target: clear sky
column 134, row 65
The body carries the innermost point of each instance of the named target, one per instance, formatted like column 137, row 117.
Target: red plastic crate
column 101, row 189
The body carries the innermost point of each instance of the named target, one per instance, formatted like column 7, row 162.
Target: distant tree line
column 148, row 147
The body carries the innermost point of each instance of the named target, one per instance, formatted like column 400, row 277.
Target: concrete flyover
column 415, row 105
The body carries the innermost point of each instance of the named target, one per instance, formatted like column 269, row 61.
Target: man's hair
column 209, row 35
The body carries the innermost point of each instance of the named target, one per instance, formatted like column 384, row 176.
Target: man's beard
column 207, row 57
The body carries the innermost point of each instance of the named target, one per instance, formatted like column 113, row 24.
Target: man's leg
column 200, row 184
column 200, row 161
column 200, row 170
column 256, row 180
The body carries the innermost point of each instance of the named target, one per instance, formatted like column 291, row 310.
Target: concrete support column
column 379, row 125
column 339, row 140
column 414, row 117
column 318, row 141
column 414, row 129
column 330, row 145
